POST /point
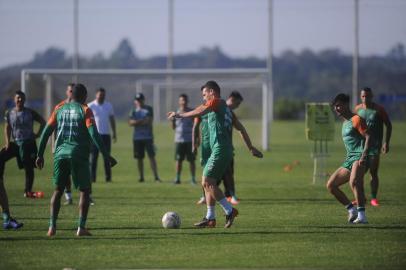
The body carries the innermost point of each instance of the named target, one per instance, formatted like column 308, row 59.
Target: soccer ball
column 171, row 220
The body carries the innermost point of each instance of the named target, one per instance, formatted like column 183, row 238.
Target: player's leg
column 338, row 178
column 107, row 167
column 68, row 192
column 190, row 157
column 150, row 149
column 179, row 157
column 81, row 179
column 29, row 153
column 62, row 169
column 357, row 182
column 209, row 221
column 138, row 151
column 94, row 156
column 8, row 221
column 373, row 169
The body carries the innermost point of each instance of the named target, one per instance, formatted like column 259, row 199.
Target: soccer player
column 183, row 140
column 356, row 141
column 104, row 116
column 140, row 118
column 233, row 102
column 19, row 125
column 219, row 123
column 75, row 128
column 375, row 117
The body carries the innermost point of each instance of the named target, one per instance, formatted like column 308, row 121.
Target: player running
column 19, row 126
column 356, row 140
column 183, row 140
column 75, row 129
column 375, row 117
column 233, row 102
column 219, row 124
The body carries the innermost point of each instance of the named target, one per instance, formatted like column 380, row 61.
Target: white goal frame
column 267, row 92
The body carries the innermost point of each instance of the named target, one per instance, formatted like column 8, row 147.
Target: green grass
column 284, row 222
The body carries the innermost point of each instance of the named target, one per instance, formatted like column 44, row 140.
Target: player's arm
column 246, row 138
column 113, row 127
column 96, row 138
column 37, row 117
column 46, row 133
column 173, row 123
column 7, row 132
column 196, row 134
column 388, row 135
column 201, row 110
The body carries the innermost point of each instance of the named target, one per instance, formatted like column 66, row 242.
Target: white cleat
column 360, row 221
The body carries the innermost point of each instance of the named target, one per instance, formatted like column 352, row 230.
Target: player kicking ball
column 75, row 126
column 356, row 140
column 219, row 126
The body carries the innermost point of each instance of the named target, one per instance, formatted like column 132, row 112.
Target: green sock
column 6, row 217
column 82, row 222
column 52, row 222
column 373, row 195
column 177, row 177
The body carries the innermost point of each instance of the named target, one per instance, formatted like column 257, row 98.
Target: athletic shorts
column 349, row 161
column 184, row 150
column 218, row 162
column 228, row 173
column 140, row 146
column 77, row 168
column 205, row 154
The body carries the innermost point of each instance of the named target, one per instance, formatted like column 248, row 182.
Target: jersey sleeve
column 213, row 104
column 52, row 119
column 359, row 124
column 89, row 117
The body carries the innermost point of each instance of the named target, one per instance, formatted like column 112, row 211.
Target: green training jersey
column 219, row 121
column 353, row 132
column 375, row 117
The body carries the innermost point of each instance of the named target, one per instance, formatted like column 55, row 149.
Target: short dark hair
column 20, row 93
column 79, row 92
column 184, row 96
column 101, row 89
column 367, row 89
column 212, row 85
column 341, row 97
column 236, row 95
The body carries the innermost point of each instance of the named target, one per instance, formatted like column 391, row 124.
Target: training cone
column 39, row 194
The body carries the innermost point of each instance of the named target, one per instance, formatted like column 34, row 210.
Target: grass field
column 284, row 222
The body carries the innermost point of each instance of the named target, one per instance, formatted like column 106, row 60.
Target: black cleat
column 230, row 218
column 206, row 223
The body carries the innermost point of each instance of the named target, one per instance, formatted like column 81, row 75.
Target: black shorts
column 140, row 146
column 184, row 150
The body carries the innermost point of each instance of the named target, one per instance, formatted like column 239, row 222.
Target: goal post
column 47, row 85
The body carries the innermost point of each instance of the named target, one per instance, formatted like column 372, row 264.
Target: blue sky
column 239, row 27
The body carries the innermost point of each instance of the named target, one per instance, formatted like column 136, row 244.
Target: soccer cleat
column 91, row 201
column 176, row 182
column 374, row 202
column 158, row 180
column 68, row 202
column 12, row 224
column 29, row 194
column 230, row 218
column 360, row 221
column 234, row 200
column 202, row 200
column 193, row 182
column 352, row 215
column 206, row 223
column 83, row 232
column 141, row 180
column 51, row 231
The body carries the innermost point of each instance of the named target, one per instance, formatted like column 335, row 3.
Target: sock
column 52, row 222
column 361, row 212
column 68, row 195
column 177, row 177
column 211, row 214
column 6, row 217
column 226, row 206
column 373, row 195
column 349, row 206
column 82, row 222
column 193, row 179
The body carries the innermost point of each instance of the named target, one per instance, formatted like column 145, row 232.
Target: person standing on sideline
column 141, row 117
column 376, row 117
column 75, row 129
column 356, row 141
column 104, row 117
column 183, row 140
column 19, row 125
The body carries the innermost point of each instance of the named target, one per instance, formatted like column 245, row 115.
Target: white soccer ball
column 171, row 220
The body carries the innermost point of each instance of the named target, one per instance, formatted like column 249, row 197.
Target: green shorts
column 205, row 154
column 184, row 150
column 349, row 161
column 77, row 168
column 218, row 162
column 140, row 146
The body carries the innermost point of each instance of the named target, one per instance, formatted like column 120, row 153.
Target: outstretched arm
column 246, row 138
column 202, row 109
